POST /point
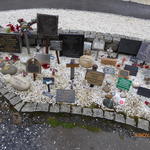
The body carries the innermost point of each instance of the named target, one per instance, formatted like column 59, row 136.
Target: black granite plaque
column 73, row 45
column 67, row 96
column 132, row 70
column 10, row 43
column 130, row 47
column 47, row 25
column 143, row 92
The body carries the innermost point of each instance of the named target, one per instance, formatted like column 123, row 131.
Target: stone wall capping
column 15, row 100
column 109, row 115
column 64, row 108
column 120, row 118
column 42, row 107
column 143, row 124
column 76, row 110
column 3, row 91
column 97, row 112
column 19, row 106
column 130, row 121
column 87, row 112
column 9, row 96
column 54, row 108
column 29, row 107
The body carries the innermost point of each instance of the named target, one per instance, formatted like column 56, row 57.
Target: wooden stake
column 58, row 60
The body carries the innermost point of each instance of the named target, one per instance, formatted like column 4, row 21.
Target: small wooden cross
column 72, row 65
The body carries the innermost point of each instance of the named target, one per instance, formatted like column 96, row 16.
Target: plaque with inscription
column 73, row 45
column 108, row 70
column 95, row 77
column 33, row 66
column 67, row 96
column 47, row 25
column 10, row 43
column 124, row 74
column 49, row 81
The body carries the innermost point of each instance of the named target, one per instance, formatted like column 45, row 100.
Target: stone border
column 21, row 106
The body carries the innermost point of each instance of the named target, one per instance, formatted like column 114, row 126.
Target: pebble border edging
column 21, row 106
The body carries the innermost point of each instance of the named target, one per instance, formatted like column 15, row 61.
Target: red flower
column 46, row 66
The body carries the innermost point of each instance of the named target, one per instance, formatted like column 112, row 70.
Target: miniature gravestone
column 43, row 58
column 108, row 70
column 73, row 45
column 72, row 65
column 133, row 70
column 67, row 96
column 144, row 52
column 143, row 92
column 94, row 77
column 33, row 66
column 57, row 46
column 47, row 26
column 124, row 84
column 123, row 74
column 130, row 47
column 10, row 43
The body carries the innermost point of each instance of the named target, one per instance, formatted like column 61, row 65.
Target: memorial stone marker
column 67, row 96
column 123, row 74
column 143, row 92
column 10, row 43
column 73, row 45
column 133, row 70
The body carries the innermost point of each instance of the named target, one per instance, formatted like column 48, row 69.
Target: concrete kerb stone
column 76, row 110
column 19, row 106
column 87, row 112
column 54, row 108
column 120, row 118
column 130, row 121
column 98, row 113
column 109, row 115
column 42, row 107
column 64, row 108
column 9, row 96
column 29, row 107
column 15, row 100
column 3, row 91
column 143, row 124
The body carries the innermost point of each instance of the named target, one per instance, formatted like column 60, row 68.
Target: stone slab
column 130, row 121
column 9, row 96
column 19, row 106
column 3, row 91
column 98, row 113
column 109, row 115
column 65, row 108
column 42, row 107
column 76, row 110
column 54, row 108
column 29, row 107
column 87, row 112
column 119, row 118
column 143, row 124
column 15, row 100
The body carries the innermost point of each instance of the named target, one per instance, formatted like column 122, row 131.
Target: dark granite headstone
column 67, row 96
column 130, row 47
column 132, row 69
column 10, row 43
column 73, row 45
column 143, row 92
column 47, row 25
column 144, row 52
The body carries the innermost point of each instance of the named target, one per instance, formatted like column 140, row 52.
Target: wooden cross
column 72, row 65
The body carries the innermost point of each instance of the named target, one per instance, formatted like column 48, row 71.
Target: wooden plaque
column 109, row 61
column 95, row 77
column 10, row 43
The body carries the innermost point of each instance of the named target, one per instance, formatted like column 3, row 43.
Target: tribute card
column 47, row 25
column 143, row 92
column 67, row 96
column 132, row 69
column 73, row 45
column 10, row 43
column 130, row 47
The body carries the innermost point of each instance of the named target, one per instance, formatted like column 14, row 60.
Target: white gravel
column 85, row 20
column 145, row 2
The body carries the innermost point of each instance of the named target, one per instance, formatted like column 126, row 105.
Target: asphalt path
column 120, row 7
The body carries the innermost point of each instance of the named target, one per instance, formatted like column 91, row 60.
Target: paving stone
column 109, row 115
column 76, row 110
column 98, row 113
column 143, row 124
column 29, row 107
column 42, row 107
column 15, row 100
column 65, row 108
column 87, row 112
column 119, row 118
column 54, row 108
column 130, row 121
column 9, row 96
column 19, row 106
column 3, row 91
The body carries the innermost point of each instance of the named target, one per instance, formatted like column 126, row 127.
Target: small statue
column 109, row 52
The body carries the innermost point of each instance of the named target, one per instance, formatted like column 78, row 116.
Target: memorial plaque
column 124, row 84
column 43, row 58
column 47, row 25
column 108, row 70
column 87, row 45
column 48, row 81
column 143, row 92
column 133, row 70
column 73, row 45
column 67, row 96
column 130, row 47
column 33, row 66
column 10, row 43
column 109, row 61
column 95, row 77
column 123, row 74
column 56, row 45
column 144, row 52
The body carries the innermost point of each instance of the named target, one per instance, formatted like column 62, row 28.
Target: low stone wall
column 21, row 106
